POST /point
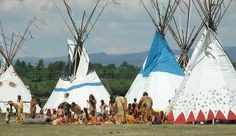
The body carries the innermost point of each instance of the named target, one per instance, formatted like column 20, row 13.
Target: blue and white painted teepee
column 161, row 74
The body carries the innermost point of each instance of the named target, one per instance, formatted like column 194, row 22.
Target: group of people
column 118, row 111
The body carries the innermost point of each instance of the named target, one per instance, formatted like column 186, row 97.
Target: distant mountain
column 136, row 59
column 35, row 60
column 103, row 58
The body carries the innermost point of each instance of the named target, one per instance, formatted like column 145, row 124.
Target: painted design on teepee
column 161, row 58
column 77, row 87
column 14, row 73
column 12, row 84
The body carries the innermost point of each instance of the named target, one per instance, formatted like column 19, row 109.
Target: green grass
column 15, row 129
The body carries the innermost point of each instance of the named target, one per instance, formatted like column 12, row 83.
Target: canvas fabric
column 80, row 87
column 160, row 76
column 10, row 87
column 208, row 90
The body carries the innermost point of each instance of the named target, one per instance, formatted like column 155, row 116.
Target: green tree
column 40, row 65
column 20, row 67
column 56, row 69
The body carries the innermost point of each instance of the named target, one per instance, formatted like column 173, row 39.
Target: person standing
column 92, row 104
column 20, row 115
column 112, row 107
column 76, row 109
column 33, row 105
column 145, row 105
column 7, row 117
column 121, row 107
column 103, row 109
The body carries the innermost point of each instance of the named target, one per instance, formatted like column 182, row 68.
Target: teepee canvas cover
column 160, row 76
column 85, row 83
column 10, row 87
column 208, row 91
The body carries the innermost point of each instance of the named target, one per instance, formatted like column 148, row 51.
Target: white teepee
column 11, row 84
column 208, row 90
column 79, row 89
column 10, row 87
column 82, row 80
column 161, row 74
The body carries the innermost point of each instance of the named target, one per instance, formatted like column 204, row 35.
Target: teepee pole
column 68, row 9
column 183, row 35
column 63, row 18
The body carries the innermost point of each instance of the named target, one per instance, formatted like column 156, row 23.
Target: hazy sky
column 123, row 28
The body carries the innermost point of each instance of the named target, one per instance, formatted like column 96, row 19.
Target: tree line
column 42, row 79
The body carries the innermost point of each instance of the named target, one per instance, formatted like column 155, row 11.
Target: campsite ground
column 15, row 129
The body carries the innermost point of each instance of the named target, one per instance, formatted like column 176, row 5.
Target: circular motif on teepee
column 66, row 95
column 12, row 84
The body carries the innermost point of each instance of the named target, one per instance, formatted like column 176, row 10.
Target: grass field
column 15, row 129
